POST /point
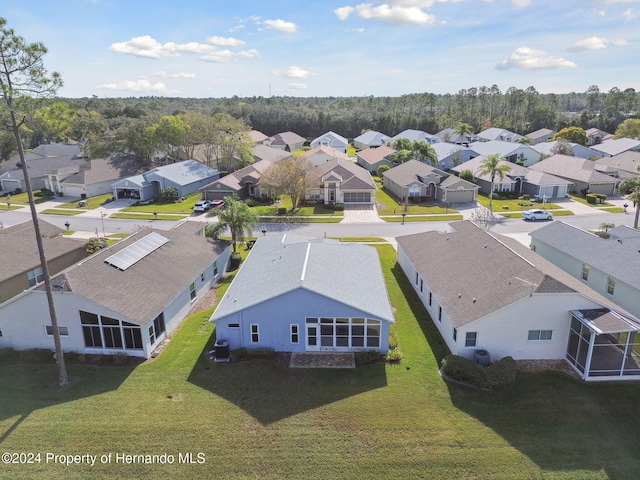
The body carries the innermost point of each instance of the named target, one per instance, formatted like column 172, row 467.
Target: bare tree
column 288, row 177
column 22, row 75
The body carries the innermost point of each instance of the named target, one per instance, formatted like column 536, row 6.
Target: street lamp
column 264, row 232
column 102, row 215
column 67, row 224
column 403, row 215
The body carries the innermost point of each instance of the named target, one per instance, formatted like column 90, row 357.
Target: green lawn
column 60, row 211
column 423, row 218
column 612, row 209
column 91, row 202
column 257, row 419
column 556, row 213
column 23, row 198
column 583, row 200
column 298, row 219
column 514, row 204
column 391, row 205
column 147, row 216
column 167, row 206
column 305, row 210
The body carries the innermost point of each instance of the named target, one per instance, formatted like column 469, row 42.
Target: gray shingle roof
column 473, row 273
column 618, row 259
column 353, row 176
column 572, row 168
column 143, row 290
column 348, row 273
column 616, row 146
column 20, row 251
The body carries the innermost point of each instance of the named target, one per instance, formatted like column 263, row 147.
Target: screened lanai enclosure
column 604, row 344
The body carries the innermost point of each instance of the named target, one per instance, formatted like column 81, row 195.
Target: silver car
column 537, row 215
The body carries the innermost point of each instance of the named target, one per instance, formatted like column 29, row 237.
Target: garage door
column 357, row 197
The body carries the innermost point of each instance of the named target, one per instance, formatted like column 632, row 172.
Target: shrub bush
column 382, row 169
column 83, row 196
column 526, row 196
column 393, row 339
column 251, row 202
column 17, row 191
column 236, row 258
column 393, row 356
column 501, row 374
column 282, row 210
column 338, row 207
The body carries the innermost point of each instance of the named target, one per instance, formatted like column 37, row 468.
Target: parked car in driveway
column 202, row 206
column 537, row 215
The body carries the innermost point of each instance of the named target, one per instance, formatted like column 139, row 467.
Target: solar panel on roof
column 136, row 251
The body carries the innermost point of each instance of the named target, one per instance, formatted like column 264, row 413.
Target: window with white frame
column 585, row 272
column 255, row 334
column 295, row 337
column 540, row 335
column 35, row 276
column 192, row 291
column 202, row 277
column 63, row 331
column 471, row 339
column 215, row 268
column 611, row 285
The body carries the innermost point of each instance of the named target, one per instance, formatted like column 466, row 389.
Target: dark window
column 439, row 314
column 255, row 336
column 63, row 331
column 132, row 337
column 295, row 338
column 471, row 339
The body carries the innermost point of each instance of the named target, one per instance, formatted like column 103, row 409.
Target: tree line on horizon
column 108, row 126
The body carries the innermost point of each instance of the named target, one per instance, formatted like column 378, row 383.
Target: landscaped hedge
column 500, row 374
column 595, row 198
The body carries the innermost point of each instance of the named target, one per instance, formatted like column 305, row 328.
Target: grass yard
column 556, row 213
column 304, row 210
column 514, row 204
column 167, row 206
column 23, row 198
column 612, row 209
column 257, row 419
column 583, row 200
column 298, row 219
column 60, row 211
column 92, row 202
column 423, row 218
column 389, row 205
column 147, row 216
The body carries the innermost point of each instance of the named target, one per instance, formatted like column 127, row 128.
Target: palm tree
column 492, row 166
column 631, row 186
column 236, row 216
column 463, row 129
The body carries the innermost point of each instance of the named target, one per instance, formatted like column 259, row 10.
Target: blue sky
column 213, row 48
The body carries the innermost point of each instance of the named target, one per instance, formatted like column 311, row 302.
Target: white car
column 202, row 206
column 537, row 215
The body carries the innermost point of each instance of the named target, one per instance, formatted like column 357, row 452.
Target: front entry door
column 312, row 338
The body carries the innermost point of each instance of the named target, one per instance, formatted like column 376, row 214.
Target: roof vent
column 459, row 295
column 485, row 245
column 474, row 300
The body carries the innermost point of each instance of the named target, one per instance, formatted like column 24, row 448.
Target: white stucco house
column 331, row 139
column 609, row 266
column 340, row 181
column 297, row 294
column 126, row 298
column 510, row 151
column 321, row 154
column 489, row 292
column 370, row 139
column 415, row 135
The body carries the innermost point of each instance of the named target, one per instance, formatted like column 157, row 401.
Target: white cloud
column 521, row 3
column 142, row 85
column 281, row 26
column 148, row 47
column 224, row 41
column 297, row 72
column 253, row 53
column 217, row 56
column 526, row 58
column 164, row 74
column 297, row 86
column 620, row 42
column 588, row 44
column 629, row 15
column 394, row 14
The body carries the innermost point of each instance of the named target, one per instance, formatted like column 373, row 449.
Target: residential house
column 258, row 137
column 582, row 173
column 242, row 183
column 331, row 139
column 609, row 266
column 186, row 177
column 415, row 135
column 511, row 152
column 370, row 139
column 288, row 141
column 487, row 292
column 340, row 181
column 624, row 164
column 611, row 147
column 416, row 179
column 540, row 136
column 449, row 135
column 20, row 267
column 46, row 163
column 596, row 136
column 126, row 298
column 518, row 179
column 547, row 149
column 264, row 152
column 297, row 294
column 96, row 176
column 495, row 133
column 450, row 155
column 373, row 158
column 322, row 154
